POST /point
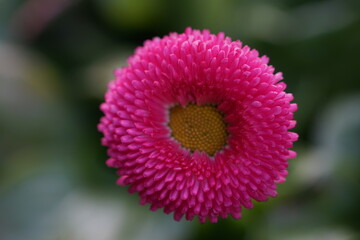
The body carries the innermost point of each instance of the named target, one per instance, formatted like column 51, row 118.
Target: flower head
column 198, row 124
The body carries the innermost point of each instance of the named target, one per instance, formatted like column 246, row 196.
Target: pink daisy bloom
column 198, row 124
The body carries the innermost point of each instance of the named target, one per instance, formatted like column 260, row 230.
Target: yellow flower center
column 199, row 128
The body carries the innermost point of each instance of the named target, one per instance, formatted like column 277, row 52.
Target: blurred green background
column 56, row 57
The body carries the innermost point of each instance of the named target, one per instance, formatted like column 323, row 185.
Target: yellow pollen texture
column 199, row 128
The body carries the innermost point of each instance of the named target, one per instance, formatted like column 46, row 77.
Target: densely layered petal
column 198, row 68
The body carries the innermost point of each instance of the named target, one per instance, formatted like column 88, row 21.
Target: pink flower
column 198, row 124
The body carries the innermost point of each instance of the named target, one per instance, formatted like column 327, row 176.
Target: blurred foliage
column 56, row 57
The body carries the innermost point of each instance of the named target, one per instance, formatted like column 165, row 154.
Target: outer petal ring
column 201, row 68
